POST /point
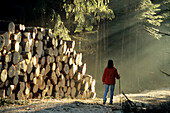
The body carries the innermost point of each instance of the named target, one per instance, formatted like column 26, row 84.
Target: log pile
column 34, row 64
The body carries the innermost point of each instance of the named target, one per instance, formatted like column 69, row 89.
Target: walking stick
column 120, row 91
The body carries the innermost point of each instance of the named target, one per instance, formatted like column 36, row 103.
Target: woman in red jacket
column 109, row 75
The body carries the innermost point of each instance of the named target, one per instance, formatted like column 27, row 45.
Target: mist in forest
column 137, row 55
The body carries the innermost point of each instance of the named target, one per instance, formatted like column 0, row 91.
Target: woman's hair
column 110, row 64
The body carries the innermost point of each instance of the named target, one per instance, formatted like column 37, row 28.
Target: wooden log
column 53, row 67
column 56, row 88
column 14, row 46
column 68, row 83
column 73, row 70
column 2, row 42
column 56, row 95
column 42, row 61
column 64, row 59
column 71, row 61
column 79, row 96
column 44, row 92
column 85, row 86
column 23, row 66
column 84, row 95
column 93, row 95
column 93, row 83
column 68, row 90
column 11, row 71
column 16, row 57
column 49, row 92
column 42, row 72
column 53, row 78
column 30, row 95
column 7, row 83
column 27, row 90
column 78, row 76
column 62, row 49
column 37, row 71
column 82, row 69
column 65, row 89
column 48, row 59
column 55, row 52
column 73, row 92
column 57, row 72
column 67, row 77
column 78, row 85
column 52, row 59
column 42, row 86
column 59, row 65
column 2, row 85
column 2, row 93
column 35, row 60
column 31, row 76
column 39, row 36
column 79, row 59
column 7, row 26
column 7, row 39
column 72, row 84
column 57, row 59
column 29, row 67
column 87, row 78
column 3, row 77
column 22, row 86
column 35, row 88
column 9, row 58
column 66, row 69
column 39, row 48
column 15, row 80
column 61, row 93
column 20, row 95
column 47, row 69
column 35, row 80
column 62, row 80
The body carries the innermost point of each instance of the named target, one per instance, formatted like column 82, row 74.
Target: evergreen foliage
column 153, row 15
column 60, row 30
column 87, row 13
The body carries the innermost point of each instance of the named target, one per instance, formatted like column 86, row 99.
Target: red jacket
column 109, row 75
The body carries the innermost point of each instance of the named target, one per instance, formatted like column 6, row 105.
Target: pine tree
column 153, row 15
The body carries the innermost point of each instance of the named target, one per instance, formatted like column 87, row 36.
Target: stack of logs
column 35, row 64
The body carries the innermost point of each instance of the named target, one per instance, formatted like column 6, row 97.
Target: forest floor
column 148, row 101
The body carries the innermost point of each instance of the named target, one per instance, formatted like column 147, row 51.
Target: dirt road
column 152, row 100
